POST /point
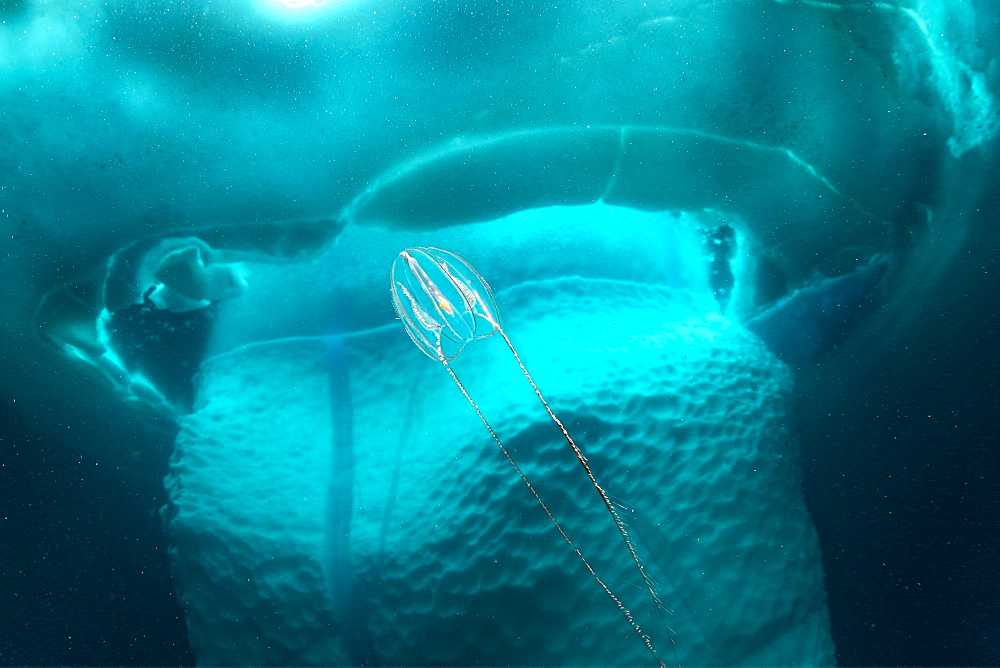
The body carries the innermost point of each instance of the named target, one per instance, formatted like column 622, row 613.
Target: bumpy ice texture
column 684, row 416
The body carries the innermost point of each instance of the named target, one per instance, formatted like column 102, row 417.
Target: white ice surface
column 683, row 416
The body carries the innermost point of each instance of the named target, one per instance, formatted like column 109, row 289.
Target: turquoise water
column 720, row 234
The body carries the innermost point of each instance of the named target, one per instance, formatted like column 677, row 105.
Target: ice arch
column 292, row 162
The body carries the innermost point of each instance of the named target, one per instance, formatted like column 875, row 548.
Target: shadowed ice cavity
column 803, row 323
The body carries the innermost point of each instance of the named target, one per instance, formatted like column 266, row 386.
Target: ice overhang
column 793, row 214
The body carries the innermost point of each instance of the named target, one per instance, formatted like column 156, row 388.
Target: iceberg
column 707, row 222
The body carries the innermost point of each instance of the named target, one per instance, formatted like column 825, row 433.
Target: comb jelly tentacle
column 445, row 304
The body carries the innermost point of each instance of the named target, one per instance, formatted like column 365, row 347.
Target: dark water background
column 84, row 577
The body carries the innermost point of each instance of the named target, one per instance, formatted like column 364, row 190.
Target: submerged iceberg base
column 684, row 417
